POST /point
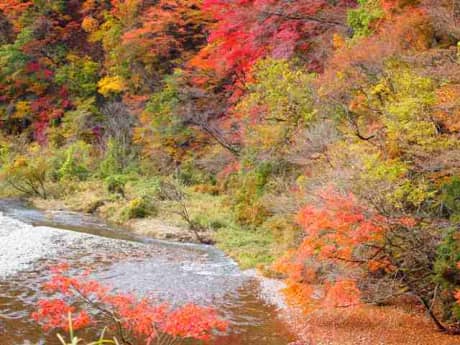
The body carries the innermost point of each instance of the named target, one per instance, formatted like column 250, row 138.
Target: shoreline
column 152, row 227
column 356, row 326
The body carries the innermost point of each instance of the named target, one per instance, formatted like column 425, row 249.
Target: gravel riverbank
column 17, row 254
column 22, row 244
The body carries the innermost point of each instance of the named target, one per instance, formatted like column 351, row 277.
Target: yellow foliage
column 22, row 109
column 110, row 85
column 338, row 41
column 89, row 24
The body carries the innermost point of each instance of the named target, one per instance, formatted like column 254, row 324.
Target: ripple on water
column 175, row 273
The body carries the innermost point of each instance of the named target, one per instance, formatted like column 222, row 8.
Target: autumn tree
column 278, row 102
column 246, row 31
column 351, row 253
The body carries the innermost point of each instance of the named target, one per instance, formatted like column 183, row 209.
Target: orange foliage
column 140, row 318
column 334, row 230
column 343, row 236
column 165, row 28
column 343, row 293
column 448, row 107
column 351, row 66
column 14, row 8
column 366, row 325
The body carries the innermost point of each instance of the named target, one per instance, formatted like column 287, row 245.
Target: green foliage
column 278, row 100
column 76, row 162
column 284, row 231
column 406, row 100
column 163, row 131
column 12, row 59
column 262, row 174
column 79, row 75
column 139, row 208
column 361, row 19
column 448, row 257
column 450, row 196
column 146, row 186
column 189, row 174
column 109, row 34
column 283, row 88
column 115, row 184
column 112, row 162
column 246, row 190
column 448, row 272
column 250, row 248
column 391, row 180
column 78, row 123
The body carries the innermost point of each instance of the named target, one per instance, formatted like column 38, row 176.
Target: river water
column 32, row 241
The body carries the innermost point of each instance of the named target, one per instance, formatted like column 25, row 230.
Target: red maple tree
column 130, row 317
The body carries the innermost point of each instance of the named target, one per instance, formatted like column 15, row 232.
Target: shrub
column 189, row 174
column 245, row 200
column 350, row 251
column 111, row 164
column 146, row 187
column 203, row 221
column 279, row 98
column 76, row 162
column 132, row 319
column 28, row 173
column 206, row 189
column 451, row 198
column 361, row 18
column 284, row 231
column 448, row 273
column 139, row 208
column 79, row 75
column 115, row 184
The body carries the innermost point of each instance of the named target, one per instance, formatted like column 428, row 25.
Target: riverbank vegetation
column 316, row 140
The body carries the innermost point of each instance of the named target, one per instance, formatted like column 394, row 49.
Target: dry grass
column 368, row 325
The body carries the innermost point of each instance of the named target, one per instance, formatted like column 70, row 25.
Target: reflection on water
column 176, row 273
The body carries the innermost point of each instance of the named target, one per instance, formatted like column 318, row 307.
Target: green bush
column 361, row 18
column 79, row 75
column 117, row 160
column 204, row 221
column 188, row 175
column 246, row 190
column 139, row 208
column 76, row 162
column 145, row 187
column 115, row 184
column 285, row 232
column 450, row 197
column 448, row 273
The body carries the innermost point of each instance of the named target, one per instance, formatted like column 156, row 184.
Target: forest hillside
column 315, row 140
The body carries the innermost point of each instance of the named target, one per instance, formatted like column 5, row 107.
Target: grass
column 249, row 248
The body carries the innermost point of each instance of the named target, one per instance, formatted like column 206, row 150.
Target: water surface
column 31, row 241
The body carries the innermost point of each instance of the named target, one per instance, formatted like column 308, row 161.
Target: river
column 31, row 241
